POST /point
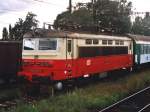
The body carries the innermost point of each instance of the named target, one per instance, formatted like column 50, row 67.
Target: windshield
column 29, row 44
column 48, row 44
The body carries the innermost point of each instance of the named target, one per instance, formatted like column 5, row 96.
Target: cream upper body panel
column 47, row 54
column 78, row 40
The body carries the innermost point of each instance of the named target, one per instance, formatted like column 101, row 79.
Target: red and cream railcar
column 61, row 55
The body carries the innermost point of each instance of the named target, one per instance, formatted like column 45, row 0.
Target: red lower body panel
column 66, row 69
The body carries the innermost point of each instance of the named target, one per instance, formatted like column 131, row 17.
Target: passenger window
column 88, row 41
column 117, row 42
column 69, row 44
column 95, row 41
column 146, row 49
column 142, row 49
column 110, row 42
column 121, row 42
column 104, row 42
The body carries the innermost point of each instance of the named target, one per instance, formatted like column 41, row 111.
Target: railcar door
column 69, row 57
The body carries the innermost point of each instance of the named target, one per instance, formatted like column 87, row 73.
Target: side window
column 142, row 49
column 117, row 42
column 121, row 42
column 95, row 41
column 104, row 42
column 88, row 41
column 145, row 49
column 148, row 49
column 69, row 45
column 110, row 42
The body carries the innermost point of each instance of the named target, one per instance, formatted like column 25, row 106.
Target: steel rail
column 144, row 108
column 115, row 104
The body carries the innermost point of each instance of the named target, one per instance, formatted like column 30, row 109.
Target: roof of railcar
column 141, row 39
column 64, row 34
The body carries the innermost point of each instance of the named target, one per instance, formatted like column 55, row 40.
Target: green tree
column 5, row 34
column 18, row 30
column 108, row 15
column 142, row 25
column 146, row 24
column 63, row 20
column 114, row 15
column 30, row 22
column 79, row 19
column 10, row 32
column 137, row 27
column 23, row 26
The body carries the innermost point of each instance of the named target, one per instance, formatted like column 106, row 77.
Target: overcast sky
column 11, row 10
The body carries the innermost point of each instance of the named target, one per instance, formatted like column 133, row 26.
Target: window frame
column 95, row 41
column 110, row 42
column 31, row 39
column 47, row 39
column 88, row 41
column 121, row 42
column 103, row 42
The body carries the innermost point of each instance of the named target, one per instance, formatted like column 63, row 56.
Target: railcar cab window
column 47, row 44
column 29, row 44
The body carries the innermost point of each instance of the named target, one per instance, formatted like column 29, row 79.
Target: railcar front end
column 43, row 59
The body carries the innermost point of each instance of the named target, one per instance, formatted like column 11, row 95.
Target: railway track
column 138, row 102
column 145, row 109
column 8, row 104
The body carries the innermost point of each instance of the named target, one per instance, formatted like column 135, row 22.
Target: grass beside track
column 90, row 97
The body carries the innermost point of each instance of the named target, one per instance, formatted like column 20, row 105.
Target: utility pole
column 94, row 15
column 70, row 6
